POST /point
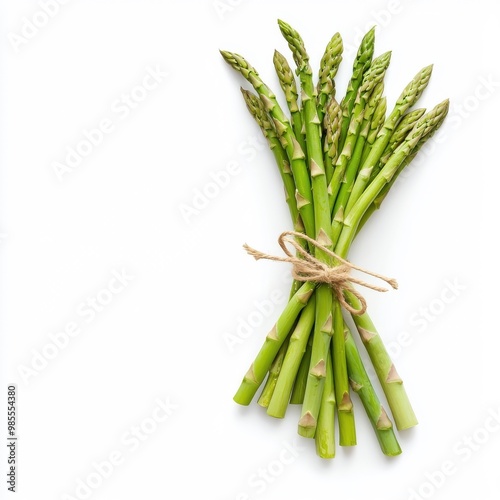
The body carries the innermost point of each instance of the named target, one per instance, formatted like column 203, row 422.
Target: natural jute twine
column 306, row 267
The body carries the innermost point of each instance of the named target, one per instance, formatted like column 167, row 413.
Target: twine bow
column 306, row 267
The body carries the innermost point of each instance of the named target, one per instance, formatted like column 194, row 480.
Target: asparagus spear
column 329, row 66
column 401, row 131
column 272, row 378
column 385, row 369
column 408, row 97
column 257, row 110
column 274, row 340
column 361, row 64
column 391, row 382
column 289, row 87
column 375, row 127
column 347, row 429
column 325, row 431
column 295, row 153
column 259, row 113
column 331, row 123
column 404, row 127
column 352, row 168
column 423, row 127
column 383, row 193
column 293, row 357
column 299, row 386
column 371, row 79
column 324, row 298
column 361, row 384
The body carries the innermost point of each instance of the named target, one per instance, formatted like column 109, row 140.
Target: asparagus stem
column 373, row 77
column 383, row 193
column 257, row 110
column 299, row 386
column 275, row 338
column 400, row 133
column 408, row 97
column 325, row 431
column 295, row 153
column 323, row 325
column 423, row 127
column 322, row 224
column 289, row 87
column 391, row 382
column 360, row 383
column 347, row 428
column 292, row 361
column 344, row 158
column 259, row 113
column 361, row 64
column 272, row 378
column 352, row 168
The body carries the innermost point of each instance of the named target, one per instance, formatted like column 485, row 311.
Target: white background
column 165, row 335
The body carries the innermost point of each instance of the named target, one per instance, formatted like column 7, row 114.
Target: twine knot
column 338, row 276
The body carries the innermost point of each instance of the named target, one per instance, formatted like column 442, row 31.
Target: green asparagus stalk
column 344, row 158
column 299, row 386
column 423, row 127
column 386, row 372
column 385, row 190
column 272, row 378
column 259, row 113
column 329, row 66
column 257, row 110
column 371, row 79
column 382, row 150
column 406, row 124
column 408, row 98
column 361, row 64
column 353, row 165
column 360, row 383
column 289, row 87
column 325, row 431
column 274, row 340
column 324, row 297
column 295, row 153
column 391, row 382
column 292, row 361
column 347, row 428
column 400, row 133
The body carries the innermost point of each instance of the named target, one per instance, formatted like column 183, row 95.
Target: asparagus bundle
column 337, row 162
